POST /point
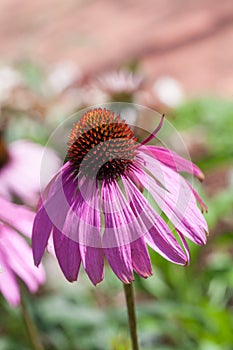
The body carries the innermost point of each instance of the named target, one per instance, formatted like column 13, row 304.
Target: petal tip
column 97, row 283
column 36, row 259
column 147, row 275
column 70, row 279
column 201, row 176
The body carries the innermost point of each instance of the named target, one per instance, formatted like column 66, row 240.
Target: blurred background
column 175, row 57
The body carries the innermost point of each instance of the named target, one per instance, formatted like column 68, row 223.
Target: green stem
column 31, row 328
column 129, row 296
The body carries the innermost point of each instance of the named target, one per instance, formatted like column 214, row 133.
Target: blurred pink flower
column 15, row 253
column 95, row 206
column 20, row 172
column 120, row 84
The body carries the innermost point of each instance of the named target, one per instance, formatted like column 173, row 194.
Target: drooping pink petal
column 45, row 194
column 185, row 244
column 144, row 163
column 60, row 198
column 40, row 234
column 130, row 229
column 158, row 234
column 78, row 220
column 140, row 258
column 118, row 253
column 119, row 258
column 160, row 240
column 179, row 188
column 204, row 208
column 168, row 178
column 174, row 161
column 71, row 221
column 68, row 255
column 182, row 220
column 178, row 203
column 121, row 226
column 57, row 182
column 93, row 263
column 89, row 228
column 53, row 212
column 115, row 226
column 186, row 200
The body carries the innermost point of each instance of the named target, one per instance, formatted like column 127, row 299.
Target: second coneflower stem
column 129, row 296
column 31, row 327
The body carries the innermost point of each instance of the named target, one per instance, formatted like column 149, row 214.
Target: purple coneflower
column 15, row 253
column 107, row 200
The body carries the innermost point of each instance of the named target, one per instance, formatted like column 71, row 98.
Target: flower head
column 15, row 253
column 98, row 206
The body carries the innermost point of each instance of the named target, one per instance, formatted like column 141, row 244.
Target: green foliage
column 215, row 117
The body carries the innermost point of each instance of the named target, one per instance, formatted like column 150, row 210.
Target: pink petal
column 60, row 198
column 118, row 252
column 71, row 221
column 154, row 133
column 121, row 225
column 178, row 204
column 119, row 259
column 19, row 258
column 185, row 245
column 162, row 241
column 89, row 229
column 140, row 258
column 57, row 182
column 204, row 208
column 16, row 216
column 8, row 283
column 184, row 221
column 48, row 189
column 68, row 255
column 158, row 234
column 53, row 212
column 174, row 161
column 93, row 263
column 82, row 223
column 41, row 231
